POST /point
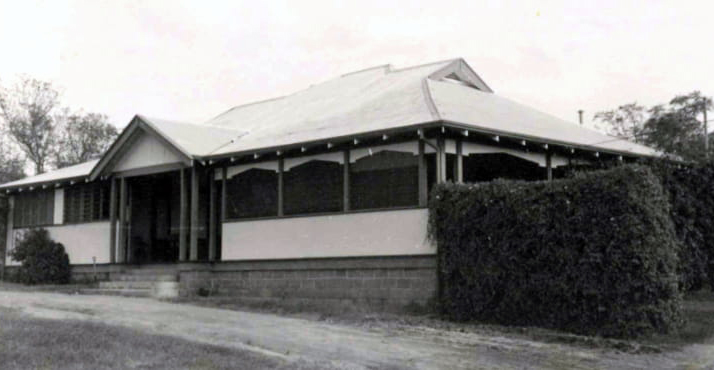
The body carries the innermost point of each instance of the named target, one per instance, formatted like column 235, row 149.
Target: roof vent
column 453, row 78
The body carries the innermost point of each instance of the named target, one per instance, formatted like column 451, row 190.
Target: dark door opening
column 154, row 218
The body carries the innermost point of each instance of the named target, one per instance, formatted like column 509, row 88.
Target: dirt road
column 342, row 346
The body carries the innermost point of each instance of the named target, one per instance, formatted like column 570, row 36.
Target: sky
column 191, row 60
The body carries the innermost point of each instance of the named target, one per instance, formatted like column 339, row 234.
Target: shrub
column 43, row 260
column 594, row 254
column 692, row 213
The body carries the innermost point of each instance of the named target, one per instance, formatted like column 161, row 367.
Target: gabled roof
column 446, row 93
column 186, row 140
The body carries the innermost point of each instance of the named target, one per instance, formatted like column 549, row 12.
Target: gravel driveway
column 343, row 346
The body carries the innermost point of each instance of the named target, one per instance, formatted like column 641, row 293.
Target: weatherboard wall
column 380, row 233
column 84, row 243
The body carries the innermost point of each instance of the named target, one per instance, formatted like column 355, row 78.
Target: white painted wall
column 146, row 151
column 9, row 231
column 81, row 241
column 59, row 207
column 384, row 233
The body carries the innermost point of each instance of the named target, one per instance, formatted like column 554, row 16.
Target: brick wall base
column 373, row 283
column 381, row 283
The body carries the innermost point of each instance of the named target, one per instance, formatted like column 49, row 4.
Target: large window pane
column 253, row 193
column 313, row 187
column 491, row 166
column 86, row 202
column 384, row 180
column 34, row 209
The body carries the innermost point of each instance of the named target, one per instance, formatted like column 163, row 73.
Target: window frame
column 43, row 198
column 346, row 208
column 76, row 196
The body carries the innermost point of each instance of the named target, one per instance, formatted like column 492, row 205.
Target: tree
column 27, row 111
column 82, row 137
column 675, row 129
column 624, row 122
column 12, row 164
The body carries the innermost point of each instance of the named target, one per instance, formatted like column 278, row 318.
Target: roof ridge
column 387, row 67
column 430, row 104
column 245, row 105
column 426, row 64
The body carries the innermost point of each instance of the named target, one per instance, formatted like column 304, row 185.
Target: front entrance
column 154, row 218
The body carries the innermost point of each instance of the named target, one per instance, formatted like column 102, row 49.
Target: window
column 313, row 187
column 86, row 202
column 490, row 166
column 383, row 180
column 252, row 193
column 34, row 209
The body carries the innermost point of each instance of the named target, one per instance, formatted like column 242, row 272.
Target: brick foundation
column 377, row 283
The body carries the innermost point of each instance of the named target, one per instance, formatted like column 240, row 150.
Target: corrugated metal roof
column 491, row 112
column 382, row 98
column 77, row 171
column 374, row 99
column 193, row 139
column 370, row 100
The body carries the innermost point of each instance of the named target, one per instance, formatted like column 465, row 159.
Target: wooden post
column 212, row 216
column 281, row 167
column 459, row 167
column 440, row 160
column 183, row 218
column 346, row 182
column 121, row 256
column 194, row 213
column 223, row 193
column 548, row 166
column 113, row 221
column 423, row 186
column 9, row 233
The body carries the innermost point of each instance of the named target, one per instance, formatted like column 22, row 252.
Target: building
column 318, row 194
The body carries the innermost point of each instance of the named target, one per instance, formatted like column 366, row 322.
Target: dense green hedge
column 691, row 195
column 594, row 254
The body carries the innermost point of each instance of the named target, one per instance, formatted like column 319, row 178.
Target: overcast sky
column 189, row 61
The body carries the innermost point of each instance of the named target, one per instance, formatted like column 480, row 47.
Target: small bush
column 595, row 254
column 43, row 260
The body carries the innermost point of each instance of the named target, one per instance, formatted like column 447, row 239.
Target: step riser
column 126, row 284
column 143, row 293
column 158, row 283
column 152, row 272
column 129, row 277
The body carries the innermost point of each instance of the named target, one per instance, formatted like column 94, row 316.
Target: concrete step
column 119, row 292
column 128, row 284
column 144, row 277
column 152, row 271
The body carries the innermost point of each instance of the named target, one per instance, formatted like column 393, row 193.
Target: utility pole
column 580, row 116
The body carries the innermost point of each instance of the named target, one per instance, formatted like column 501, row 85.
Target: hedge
column 689, row 189
column 595, row 254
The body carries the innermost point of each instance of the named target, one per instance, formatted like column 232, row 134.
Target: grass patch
column 29, row 343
